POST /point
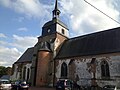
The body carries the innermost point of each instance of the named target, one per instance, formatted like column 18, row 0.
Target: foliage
column 5, row 70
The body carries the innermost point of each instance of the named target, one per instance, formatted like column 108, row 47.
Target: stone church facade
column 92, row 59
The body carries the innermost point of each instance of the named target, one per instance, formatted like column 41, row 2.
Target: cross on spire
column 56, row 11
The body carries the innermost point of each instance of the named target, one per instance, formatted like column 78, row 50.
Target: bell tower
column 55, row 25
column 54, row 33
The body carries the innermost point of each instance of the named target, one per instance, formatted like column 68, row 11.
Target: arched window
column 24, row 73
column 64, row 70
column 105, row 69
column 28, row 74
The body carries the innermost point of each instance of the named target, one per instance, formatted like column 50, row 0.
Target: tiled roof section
column 27, row 56
column 103, row 42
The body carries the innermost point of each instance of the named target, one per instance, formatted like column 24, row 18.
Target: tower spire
column 56, row 11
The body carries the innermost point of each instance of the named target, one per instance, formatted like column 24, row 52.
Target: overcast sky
column 21, row 22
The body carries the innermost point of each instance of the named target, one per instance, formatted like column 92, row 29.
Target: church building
column 92, row 59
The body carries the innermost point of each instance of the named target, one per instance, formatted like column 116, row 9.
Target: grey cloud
column 31, row 8
column 86, row 19
column 87, row 27
column 2, row 35
column 8, row 56
column 23, row 42
column 11, row 51
column 22, row 29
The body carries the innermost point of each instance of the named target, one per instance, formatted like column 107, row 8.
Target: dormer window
column 63, row 31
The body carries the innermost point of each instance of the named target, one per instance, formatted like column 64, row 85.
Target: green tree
column 2, row 71
column 8, row 70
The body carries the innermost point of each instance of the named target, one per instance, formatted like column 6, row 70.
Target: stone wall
column 19, row 69
column 86, row 73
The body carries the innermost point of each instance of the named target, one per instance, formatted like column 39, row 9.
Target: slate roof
column 103, row 42
column 54, row 21
column 27, row 56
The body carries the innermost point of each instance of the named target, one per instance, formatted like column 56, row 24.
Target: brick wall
column 42, row 68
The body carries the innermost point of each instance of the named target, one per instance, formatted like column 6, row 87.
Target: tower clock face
column 48, row 30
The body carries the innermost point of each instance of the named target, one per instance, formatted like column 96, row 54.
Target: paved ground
column 41, row 88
